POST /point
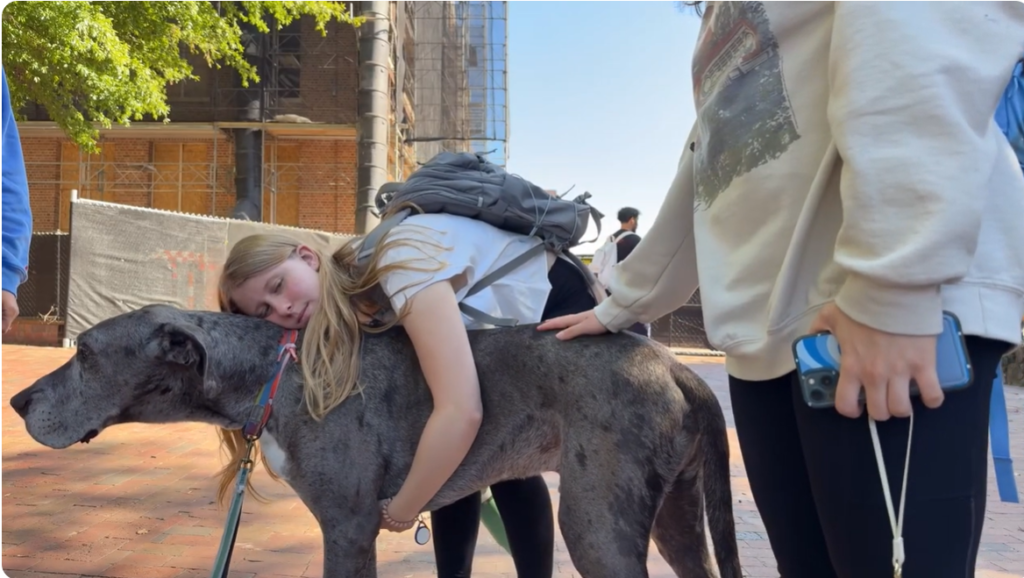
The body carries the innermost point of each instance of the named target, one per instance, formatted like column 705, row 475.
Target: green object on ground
column 492, row 521
column 1013, row 367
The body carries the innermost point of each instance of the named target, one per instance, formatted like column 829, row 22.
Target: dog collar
column 260, row 414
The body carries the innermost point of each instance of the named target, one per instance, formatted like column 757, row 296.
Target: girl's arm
column 434, row 325
column 913, row 90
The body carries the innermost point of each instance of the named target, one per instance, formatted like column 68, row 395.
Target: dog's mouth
column 89, row 435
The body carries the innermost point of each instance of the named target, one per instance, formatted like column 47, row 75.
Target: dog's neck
column 243, row 355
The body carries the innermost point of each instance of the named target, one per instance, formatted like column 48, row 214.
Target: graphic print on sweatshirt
column 743, row 112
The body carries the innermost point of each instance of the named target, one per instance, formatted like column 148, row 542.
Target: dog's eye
column 84, row 353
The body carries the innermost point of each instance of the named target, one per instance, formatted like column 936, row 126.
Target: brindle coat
column 639, row 440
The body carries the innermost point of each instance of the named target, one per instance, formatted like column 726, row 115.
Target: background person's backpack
column 467, row 185
column 606, row 258
column 1010, row 118
column 1010, row 113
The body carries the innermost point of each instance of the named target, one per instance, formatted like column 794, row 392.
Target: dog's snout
column 21, row 401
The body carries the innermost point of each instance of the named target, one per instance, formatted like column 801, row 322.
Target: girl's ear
column 308, row 256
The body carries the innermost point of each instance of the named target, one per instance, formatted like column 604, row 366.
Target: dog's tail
column 716, row 482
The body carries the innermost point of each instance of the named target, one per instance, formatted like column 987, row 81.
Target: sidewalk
column 137, row 502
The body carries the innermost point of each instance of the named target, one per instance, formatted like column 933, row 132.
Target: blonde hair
column 329, row 353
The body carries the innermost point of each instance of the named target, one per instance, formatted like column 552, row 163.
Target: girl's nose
column 282, row 307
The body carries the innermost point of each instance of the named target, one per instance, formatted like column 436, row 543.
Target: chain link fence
column 44, row 294
column 684, row 329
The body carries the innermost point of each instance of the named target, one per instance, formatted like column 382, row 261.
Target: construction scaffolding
column 448, row 87
column 195, row 174
column 305, row 77
column 458, row 64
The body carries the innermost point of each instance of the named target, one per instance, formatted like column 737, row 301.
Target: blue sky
column 600, row 97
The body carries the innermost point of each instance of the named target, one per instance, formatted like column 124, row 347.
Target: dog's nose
column 21, row 401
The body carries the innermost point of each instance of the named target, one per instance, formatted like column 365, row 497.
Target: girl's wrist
column 396, row 514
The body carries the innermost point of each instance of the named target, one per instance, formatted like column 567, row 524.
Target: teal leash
column 253, row 429
column 227, row 540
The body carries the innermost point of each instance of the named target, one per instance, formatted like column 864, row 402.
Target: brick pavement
column 137, row 502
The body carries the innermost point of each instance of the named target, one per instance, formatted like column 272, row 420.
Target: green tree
column 104, row 62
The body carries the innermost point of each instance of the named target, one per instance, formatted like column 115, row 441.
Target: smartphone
column 817, row 363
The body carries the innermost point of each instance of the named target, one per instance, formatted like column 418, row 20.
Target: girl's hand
column 585, row 323
column 882, row 364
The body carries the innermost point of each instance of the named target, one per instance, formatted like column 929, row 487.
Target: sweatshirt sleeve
column 661, row 273
column 16, row 212
column 913, row 90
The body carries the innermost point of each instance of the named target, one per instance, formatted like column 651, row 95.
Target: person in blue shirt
column 17, row 214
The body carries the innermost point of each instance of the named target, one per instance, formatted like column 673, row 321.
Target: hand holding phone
column 818, row 357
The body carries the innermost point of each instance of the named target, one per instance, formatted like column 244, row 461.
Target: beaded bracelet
column 391, row 521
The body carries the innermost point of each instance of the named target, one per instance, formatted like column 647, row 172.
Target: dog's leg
column 679, row 528
column 606, row 516
column 350, row 535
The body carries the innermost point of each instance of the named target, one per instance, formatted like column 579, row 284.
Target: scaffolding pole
column 460, row 74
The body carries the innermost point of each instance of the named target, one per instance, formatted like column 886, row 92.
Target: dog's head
column 149, row 365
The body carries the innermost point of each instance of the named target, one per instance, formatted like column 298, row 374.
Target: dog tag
column 422, row 534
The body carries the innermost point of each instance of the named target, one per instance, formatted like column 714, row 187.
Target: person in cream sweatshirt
column 845, row 174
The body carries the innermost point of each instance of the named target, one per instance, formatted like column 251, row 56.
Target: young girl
column 416, row 277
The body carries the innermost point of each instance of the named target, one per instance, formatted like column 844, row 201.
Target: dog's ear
column 185, row 344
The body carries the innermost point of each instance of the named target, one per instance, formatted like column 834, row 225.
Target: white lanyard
column 898, row 554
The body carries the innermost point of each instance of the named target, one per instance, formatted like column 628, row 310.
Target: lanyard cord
column 898, row 553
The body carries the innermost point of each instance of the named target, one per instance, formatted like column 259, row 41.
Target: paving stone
column 137, row 502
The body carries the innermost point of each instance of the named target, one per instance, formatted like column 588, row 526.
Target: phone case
column 817, row 359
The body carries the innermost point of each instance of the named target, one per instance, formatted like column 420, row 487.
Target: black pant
column 816, row 484
column 524, row 505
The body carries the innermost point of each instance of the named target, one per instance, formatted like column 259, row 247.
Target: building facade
column 445, row 65
column 289, row 150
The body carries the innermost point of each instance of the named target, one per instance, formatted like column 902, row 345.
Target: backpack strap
column 594, row 214
column 588, row 275
column 623, row 236
column 373, row 237
column 999, row 430
column 489, row 279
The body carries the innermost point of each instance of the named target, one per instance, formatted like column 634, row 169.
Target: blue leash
column 999, row 432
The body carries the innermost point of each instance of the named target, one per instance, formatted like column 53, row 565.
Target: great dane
column 639, row 440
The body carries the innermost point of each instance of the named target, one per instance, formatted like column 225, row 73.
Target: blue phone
column 817, row 364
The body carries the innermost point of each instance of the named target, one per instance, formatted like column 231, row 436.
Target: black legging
column 524, row 505
column 815, row 482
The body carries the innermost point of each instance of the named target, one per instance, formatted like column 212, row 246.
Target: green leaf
column 101, row 63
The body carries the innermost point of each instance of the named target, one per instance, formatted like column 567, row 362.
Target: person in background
column 845, row 174
column 17, row 213
column 626, row 239
column 618, row 246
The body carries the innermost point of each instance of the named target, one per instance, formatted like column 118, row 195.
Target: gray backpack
column 467, row 185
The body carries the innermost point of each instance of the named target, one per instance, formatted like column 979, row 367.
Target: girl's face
column 286, row 295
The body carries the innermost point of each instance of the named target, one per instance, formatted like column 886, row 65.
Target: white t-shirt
column 449, row 245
